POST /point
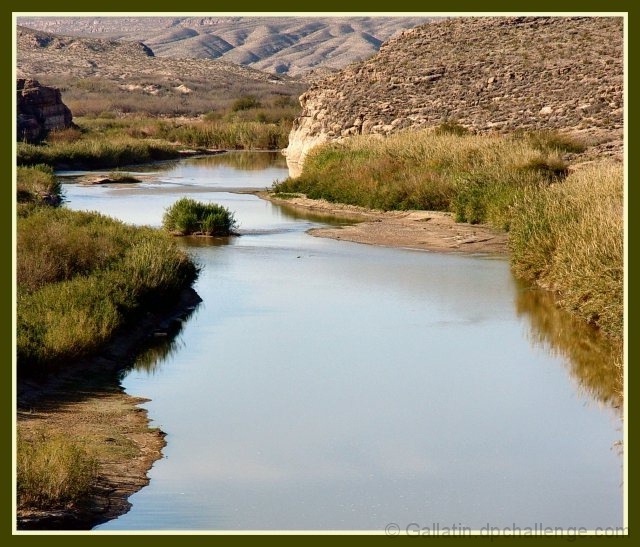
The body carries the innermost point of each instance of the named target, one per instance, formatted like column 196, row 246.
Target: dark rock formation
column 40, row 109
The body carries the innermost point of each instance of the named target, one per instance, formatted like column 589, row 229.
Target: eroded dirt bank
column 87, row 404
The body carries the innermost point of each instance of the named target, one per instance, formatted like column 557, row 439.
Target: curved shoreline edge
column 96, row 407
column 434, row 231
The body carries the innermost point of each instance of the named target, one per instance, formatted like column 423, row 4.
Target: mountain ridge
column 277, row 44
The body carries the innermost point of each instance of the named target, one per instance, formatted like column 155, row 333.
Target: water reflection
column 294, row 213
column 244, row 160
column 593, row 361
column 161, row 345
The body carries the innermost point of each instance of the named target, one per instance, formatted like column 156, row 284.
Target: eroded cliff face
column 487, row 74
column 40, row 109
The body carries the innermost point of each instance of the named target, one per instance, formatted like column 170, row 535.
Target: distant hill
column 99, row 74
column 281, row 45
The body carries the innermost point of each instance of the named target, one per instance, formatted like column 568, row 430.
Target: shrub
column 285, row 101
column 187, row 216
column 245, row 103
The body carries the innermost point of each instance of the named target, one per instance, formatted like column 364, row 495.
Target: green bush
column 245, row 103
column 187, row 216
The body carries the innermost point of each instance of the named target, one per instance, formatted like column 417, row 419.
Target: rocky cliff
column 40, row 109
column 485, row 73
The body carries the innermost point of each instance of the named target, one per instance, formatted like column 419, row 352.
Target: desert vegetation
column 476, row 177
column 36, row 185
column 80, row 276
column 92, row 152
column 113, row 141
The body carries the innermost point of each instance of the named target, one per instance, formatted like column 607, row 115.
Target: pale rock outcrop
column 489, row 74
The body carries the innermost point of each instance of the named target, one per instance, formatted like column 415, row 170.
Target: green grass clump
column 82, row 276
column 52, row 471
column 187, row 216
column 37, row 184
column 569, row 238
column 476, row 177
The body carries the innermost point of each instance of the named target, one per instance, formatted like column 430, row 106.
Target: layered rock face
column 487, row 74
column 40, row 109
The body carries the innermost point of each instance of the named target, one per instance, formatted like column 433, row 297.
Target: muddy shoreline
column 87, row 402
column 421, row 230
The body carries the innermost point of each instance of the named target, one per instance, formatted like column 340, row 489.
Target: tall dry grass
column 105, row 142
column 570, row 239
column 52, row 471
column 95, row 151
column 476, row 177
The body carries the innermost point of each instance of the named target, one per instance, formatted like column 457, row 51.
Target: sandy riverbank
column 87, row 403
column 424, row 230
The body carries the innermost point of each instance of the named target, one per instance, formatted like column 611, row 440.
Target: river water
column 326, row 385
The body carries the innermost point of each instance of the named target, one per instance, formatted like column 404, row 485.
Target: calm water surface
column 330, row 385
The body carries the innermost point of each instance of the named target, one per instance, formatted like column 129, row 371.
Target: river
column 326, row 385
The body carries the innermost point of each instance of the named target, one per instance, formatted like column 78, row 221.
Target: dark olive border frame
column 363, row 7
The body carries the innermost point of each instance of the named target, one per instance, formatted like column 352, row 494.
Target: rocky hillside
column 43, row 52
column 488, row 74
column 281, row 45
column 40, row 109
